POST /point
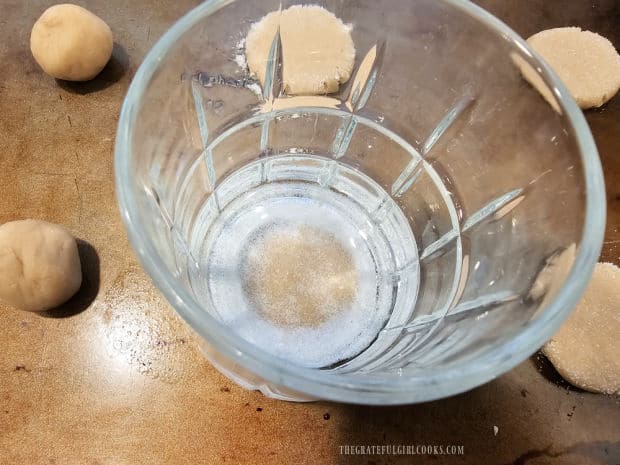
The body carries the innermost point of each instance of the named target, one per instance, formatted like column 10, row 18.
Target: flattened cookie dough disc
column 586, row 349
column 317, row 49
column 587, row 63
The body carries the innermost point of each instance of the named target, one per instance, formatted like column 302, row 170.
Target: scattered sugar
column 338, row 301
column 256, row 88
column 240, row 55
column 242, row 63
column 300, row 277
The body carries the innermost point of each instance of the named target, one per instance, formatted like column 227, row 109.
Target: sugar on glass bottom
column 301, row 269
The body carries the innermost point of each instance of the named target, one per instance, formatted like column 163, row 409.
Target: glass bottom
column 306, row 258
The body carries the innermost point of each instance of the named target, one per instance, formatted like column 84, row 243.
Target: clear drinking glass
column 450, row 181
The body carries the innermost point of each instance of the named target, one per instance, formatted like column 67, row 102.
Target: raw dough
column 39, row 265
column 317, row 49
column 586, row 349
column 71, row 43
column 587, row 63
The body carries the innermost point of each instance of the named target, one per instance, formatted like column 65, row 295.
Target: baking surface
column 118, row 379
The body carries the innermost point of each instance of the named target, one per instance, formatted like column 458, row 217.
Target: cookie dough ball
column 587, row 63
column 39, row 265
column 586, row 349
column 71, row 43
column 317, row 49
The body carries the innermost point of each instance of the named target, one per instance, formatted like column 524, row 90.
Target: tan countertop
column 118, row 380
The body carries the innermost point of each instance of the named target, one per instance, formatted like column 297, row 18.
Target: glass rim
column 432, row 383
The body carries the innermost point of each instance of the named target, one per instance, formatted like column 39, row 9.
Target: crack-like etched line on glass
column 361, row 89
column 476, row 307
column 429, row 324
column 176, row 234
column 503, row 211
column 408, row 268
column 208, row 157
column 265, row 169
column 439, row 244
column 407, row 178
column 264, row 135
column 272, row 87
column 181, row 187
column 382, row 210
column 335, row 112
column 451, row 116
column 165, row 215
column 328, row 174
column 462, row 282
column 186, row 250
column 200, row 114
column 204, row 136
column 365, row 78
column 339, row 134
column 204, row 199
column 378, row 361
column 343, row 137
column 501, row 205
column 458, row 265
column 432, row 354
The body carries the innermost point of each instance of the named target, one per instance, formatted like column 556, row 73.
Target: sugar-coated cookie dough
column 71, row 43
column 39, row 265
column 585, row 351
column 317, row 49
column 587, row 63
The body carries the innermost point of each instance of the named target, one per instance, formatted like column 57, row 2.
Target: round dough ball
column 71, row 43
column 39, row 265
column 317, row 49
column 587, row 63
column 585, row 351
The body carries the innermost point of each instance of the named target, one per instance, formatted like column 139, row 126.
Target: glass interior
column 453, row 180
